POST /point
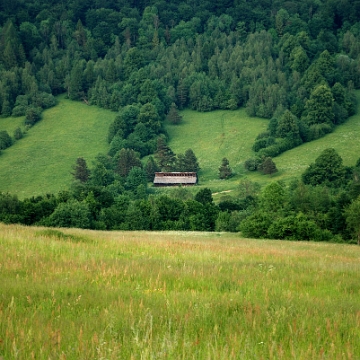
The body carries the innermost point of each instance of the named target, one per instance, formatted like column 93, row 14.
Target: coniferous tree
column 224, row 170
column 125, row 160
column 173, row 116
column 268, row 166
column 164, row 155
column 81, row 171
column 151, row 168
column 191, row 161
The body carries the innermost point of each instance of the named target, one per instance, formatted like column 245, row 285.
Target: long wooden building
column 175, row 178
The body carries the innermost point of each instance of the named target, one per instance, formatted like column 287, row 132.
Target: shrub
column 259, row 144
column 18, row 134
column 317, row 131
column 278, row 148
column 19, row 110
column 44, row 100
column 5, row 140
column 33, row 115
column 252, row 164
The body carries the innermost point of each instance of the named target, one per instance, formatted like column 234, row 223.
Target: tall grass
column 71, row 294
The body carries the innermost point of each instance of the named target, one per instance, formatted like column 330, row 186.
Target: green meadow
column 42, row 161
column 77, row 294
column 231, row 134
column 213, row 136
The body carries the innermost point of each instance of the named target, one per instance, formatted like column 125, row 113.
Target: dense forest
column 142, row 57
column 293, row 62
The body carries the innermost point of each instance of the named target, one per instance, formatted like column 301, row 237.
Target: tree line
column 324, row 205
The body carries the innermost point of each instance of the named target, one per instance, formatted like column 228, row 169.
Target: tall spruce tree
column 224, row 170
column 173, row 116
column 125, row 160
column 164, row 155
column 151, row 168
column 81, row 171
column 191, row 161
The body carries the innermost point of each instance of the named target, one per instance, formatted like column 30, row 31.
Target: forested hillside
column 143, row 56
column 295, row 63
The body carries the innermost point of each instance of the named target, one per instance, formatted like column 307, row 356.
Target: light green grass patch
column 231, row 134
column 175, row 295
column 345, row 140
column 42, row 161
column 10, row 124
column 213, row 136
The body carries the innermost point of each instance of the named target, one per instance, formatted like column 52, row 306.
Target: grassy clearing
column 72, row 294
column 41, row 162
column 10, row 124
column 231, row 134
column 213, row 136
column 345, row 140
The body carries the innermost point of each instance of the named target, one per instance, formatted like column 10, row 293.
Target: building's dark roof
column 175, row 178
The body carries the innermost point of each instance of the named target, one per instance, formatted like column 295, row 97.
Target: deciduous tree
column 327, row 169
column 352, row 214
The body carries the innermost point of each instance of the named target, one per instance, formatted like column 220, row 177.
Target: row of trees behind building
column 324, row 205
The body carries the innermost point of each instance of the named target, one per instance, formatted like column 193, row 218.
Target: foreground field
column 71, row 294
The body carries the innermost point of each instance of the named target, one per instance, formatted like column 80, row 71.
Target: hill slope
column 344, row 139
column 214, row 135
column 41, row 162
column 231, row 134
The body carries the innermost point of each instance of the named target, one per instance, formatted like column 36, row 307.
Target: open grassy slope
column 345, row 140
column 231, row 134
column 41, row 162
column 215, row 135
column 75, row 294
column 10, row 124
